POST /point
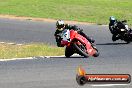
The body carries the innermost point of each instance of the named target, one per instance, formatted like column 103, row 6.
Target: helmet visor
column 112, row 21
column 60, row 26
column 60, row 29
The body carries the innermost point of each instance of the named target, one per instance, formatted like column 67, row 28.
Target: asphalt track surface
column 60, row 72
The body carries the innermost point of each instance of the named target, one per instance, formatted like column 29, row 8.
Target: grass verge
column 93, row 11
column 17, row 51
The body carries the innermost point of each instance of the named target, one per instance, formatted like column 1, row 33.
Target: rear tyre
column 127, row 38
column 97, row 53
column 94, row 47
column 127, row 42
column 81, row 49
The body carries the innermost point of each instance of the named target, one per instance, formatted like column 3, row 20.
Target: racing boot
column 87, row 37
column 90, row 40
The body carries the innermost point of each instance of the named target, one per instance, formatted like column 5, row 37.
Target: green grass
column 17, row 51
column 95, row 11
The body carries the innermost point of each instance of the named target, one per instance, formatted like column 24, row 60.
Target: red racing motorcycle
column 76, row 43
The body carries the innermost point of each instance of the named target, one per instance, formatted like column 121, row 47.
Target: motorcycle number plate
column 66, row 35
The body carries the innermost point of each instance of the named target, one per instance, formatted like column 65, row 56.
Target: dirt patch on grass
column 40, row 19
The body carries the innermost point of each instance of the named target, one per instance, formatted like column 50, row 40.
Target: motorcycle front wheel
column 68, row 52
column 81, row 48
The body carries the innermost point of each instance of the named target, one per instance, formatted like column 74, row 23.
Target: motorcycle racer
column 115, row 27
column 60, row 25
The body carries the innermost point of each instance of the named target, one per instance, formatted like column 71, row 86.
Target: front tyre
column 68, row 52
column 114, row 38
column 81, row 49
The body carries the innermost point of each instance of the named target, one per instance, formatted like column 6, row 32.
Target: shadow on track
column 69, row 57
column 112, row 44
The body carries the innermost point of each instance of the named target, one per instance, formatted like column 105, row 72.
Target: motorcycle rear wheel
column 97, row 52
column 127, row 42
